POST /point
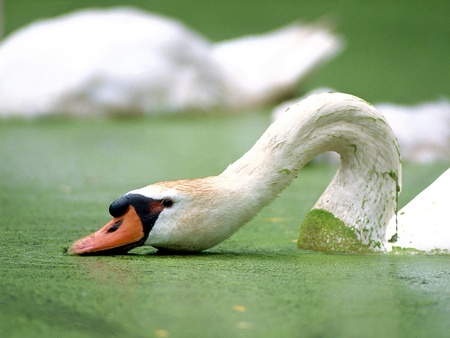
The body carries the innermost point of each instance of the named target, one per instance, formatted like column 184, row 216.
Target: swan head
column 183, row 215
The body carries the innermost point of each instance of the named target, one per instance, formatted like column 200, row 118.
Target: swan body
column 422, row 130
column 194, row 215
column 423, row 223
column 125, row 61
column 265, row 68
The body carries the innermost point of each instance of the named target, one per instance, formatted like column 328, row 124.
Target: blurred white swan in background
column 124, row 61
column 422, row 130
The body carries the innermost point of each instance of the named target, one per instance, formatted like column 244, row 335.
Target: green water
column 281, row 292
column 57, row 179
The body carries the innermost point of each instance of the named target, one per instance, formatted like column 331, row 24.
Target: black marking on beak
column 146, row 208
column 119, row 207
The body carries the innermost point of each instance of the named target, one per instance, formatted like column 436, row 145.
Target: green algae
column 394, row 176
column 394, row 237
column 406, row 251
column 285, row 171
column 322, row 231
column 46, row 293
column 412, row 251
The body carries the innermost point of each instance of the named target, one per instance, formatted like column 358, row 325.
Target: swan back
column 261, row 69
column 423, row 223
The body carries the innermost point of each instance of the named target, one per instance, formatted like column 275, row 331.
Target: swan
column 351, row 215
column 97, row 62
column 356, row 212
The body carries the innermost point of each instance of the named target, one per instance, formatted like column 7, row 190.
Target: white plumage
column 423, row 224
column 363, row 194
column 422, row 130
column 125, row 61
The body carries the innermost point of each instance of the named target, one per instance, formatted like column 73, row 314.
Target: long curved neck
column 363, row 193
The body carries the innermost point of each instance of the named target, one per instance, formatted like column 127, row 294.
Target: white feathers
column 362, row 194
column 424, row 223
column 422, row 130
column 125, row 61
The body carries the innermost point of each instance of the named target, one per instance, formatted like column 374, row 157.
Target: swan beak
column 118, row 236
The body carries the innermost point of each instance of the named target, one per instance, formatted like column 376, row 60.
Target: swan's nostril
column 115, row 226
column 119, row 207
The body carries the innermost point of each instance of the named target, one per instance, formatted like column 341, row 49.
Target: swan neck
column 366, row 184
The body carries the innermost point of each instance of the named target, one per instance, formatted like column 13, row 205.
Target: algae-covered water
column 254, row 293
column 58, row 176
column 57, row 179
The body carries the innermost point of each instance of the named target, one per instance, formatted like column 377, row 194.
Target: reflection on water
column 109, row 270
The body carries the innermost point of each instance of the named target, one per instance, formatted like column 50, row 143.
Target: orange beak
column 118, row 236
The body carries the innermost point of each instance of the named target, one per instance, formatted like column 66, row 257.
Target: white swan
column 125, row 61
column 351, row 215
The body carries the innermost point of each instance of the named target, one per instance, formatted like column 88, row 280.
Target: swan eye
column 167, row 202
